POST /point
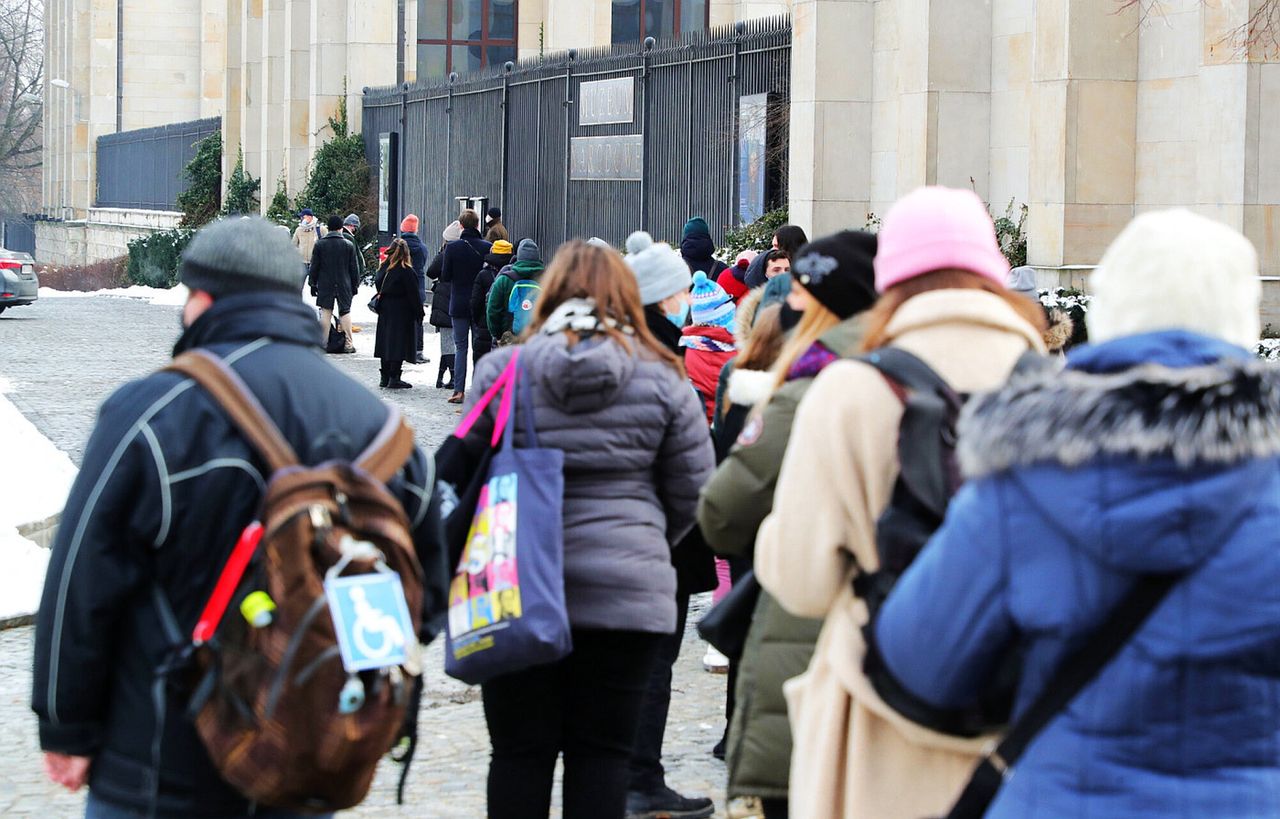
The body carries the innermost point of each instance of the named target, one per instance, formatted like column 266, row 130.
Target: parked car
column 18, row 282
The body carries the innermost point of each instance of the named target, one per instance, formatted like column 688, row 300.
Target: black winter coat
column 418, row 257
column 480, row 336
column 335, row 265
column 698, row 251
column 462, row 262
column 399, row 314
column 441, row 292
column 166, row 487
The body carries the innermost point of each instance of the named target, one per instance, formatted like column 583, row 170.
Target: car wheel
column 3, row 307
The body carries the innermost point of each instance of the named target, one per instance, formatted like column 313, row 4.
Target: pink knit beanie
column 938, row 229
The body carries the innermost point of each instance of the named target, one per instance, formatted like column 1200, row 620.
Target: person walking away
column 733, row 278
column 698, row 249
column 499, row 257
column 708, row 339
column 664, row 282
column 418, row 255
column 740, row 495
column 508, row 311
column 399, row 311
column 1154, row 454
column 351, row 227
column 305, row 236
column 441, row 293
column 776, row 263
column 611, row 397
column 941, row 276
column 334, row 266
column 495, row 231
column 167, row 486
column 789, row 239
column 463, row 259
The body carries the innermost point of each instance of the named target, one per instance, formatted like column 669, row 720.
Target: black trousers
column 647, row 773
column 586, row 706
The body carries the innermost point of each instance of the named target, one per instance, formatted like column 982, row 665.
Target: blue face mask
column 679, row 317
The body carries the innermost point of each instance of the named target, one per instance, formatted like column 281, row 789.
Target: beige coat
column 304, row 239
column 854, row 757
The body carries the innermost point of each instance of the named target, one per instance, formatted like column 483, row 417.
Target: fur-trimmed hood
column 1170, row 421
column 750, row 387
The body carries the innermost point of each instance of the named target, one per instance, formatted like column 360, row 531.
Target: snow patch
column 172, row 297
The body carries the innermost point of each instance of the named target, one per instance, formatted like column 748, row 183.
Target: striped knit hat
column 711, row 305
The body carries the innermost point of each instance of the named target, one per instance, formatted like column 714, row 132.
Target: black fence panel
column 18, row 233
column 143, row 169
column 658, row 146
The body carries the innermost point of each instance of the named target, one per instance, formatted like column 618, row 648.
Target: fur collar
column 1220, row 414
column 750, row 387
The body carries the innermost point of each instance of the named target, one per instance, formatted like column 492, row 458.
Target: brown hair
column 764, row 344
column 398, row 255
column 583, row 271
column 816, row 321
column 470, row 220
column 879, row 316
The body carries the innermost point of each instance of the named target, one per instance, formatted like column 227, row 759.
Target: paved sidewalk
column 62, row 357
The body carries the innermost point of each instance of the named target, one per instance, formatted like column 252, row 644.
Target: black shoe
column 421, row 359
column 448, row 386
column 665, row 803
column 399, row 385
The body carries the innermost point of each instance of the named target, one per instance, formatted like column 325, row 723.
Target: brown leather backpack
column 266, row 697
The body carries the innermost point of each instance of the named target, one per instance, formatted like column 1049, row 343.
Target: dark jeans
column 586, row 706
column 97, row 809
column 461, row 339
column 647, row 773
column 419, row 330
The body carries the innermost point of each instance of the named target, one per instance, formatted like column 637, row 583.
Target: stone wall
column 104, row 235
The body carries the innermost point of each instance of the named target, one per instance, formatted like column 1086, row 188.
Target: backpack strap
column 387, row 453
column 907, row 370
column 233, row 395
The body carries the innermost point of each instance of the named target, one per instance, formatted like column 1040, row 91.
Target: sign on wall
column 388, row 180
column 753, row 143
column 607, row 158
column 607, row 102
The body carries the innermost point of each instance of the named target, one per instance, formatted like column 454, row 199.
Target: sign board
column 753, row 143
column 607, row 102
column 370, row 619
column 607, row 158
column 388, row 181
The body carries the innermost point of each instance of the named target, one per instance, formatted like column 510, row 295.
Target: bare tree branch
column 21, row 110
column 1258, row 38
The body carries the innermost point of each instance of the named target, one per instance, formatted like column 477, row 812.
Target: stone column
column 371, row 50
column 100, row 94
column 213, row 57
column 297, row 92
column 1083, row 130
column 252, row 84
column 328, row 58
column 233, row 94
column 80, row 95
column 275, row 55
column 831, row 105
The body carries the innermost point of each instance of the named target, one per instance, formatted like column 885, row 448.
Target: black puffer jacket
column 166, row 487
column 441, row 293
column 636, row 450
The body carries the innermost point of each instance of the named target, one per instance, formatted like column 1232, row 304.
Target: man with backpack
column 161, row 511
column 514, row 293
column 335, row 274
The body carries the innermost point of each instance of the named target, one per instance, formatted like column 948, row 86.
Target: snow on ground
column 172, row 297
column 33, row 489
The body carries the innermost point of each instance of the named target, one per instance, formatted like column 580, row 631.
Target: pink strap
column 473, row 416
column 508, row 397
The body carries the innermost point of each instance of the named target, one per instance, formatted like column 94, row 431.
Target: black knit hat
column 837, row 270
column 242, row 255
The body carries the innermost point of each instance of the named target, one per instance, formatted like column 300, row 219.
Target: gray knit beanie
column 242, row 255
column 660, row 270
column 528, row 251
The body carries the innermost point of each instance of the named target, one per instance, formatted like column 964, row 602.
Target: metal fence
column 143, row 169
column 18, row 232
column 566, row 153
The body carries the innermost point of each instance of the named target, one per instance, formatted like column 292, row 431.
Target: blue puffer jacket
column 1154, row 453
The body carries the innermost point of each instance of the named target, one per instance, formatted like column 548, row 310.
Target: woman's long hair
column 790, row 238
column 398, row 255
column 879, row 317
column 583, row 271
column 817, row 320
column 764, row 344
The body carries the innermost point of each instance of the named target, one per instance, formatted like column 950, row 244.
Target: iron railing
column 508, row 135
column 143, row 169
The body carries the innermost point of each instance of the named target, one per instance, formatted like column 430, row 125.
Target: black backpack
column 929, row 476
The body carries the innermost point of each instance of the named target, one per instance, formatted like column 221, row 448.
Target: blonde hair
column 816, row 322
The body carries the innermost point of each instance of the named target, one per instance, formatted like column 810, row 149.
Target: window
column 636, row 19
column 464, row 35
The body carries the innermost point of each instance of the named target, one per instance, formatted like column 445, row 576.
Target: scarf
column 813, row 361
column 580, row 316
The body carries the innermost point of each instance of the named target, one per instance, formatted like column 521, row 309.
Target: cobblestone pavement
column 63, row 356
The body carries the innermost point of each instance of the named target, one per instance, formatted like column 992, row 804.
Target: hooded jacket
column 166, row 487
column 636, row 450
column 698, row 251
column 1154, row 453
column 418, row 258
column 497, row 313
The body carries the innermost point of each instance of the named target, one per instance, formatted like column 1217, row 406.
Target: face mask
column 789, row 317
column 679, row 317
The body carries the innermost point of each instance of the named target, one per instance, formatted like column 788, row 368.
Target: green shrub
column 338, row 183
column 242, row 190
column 280, row 211
column 202, row 199
column 756, row 235
column 153, row 260
column 1011, row 233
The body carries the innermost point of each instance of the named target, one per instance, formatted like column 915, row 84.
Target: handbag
column 507, row 607
column 1075, row 673
column 726, row 625
column 373, row 301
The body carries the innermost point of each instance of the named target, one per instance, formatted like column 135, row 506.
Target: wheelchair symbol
column 371, row 621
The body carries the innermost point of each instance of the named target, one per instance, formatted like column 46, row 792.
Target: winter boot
column 446, row 363
column 395, row 382
column 385, row 373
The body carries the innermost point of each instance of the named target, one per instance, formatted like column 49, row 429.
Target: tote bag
column 506, row 602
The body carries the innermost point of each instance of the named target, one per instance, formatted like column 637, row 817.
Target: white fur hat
column 1176, row 270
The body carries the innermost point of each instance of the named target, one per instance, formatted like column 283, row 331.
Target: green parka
column 732, row 506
